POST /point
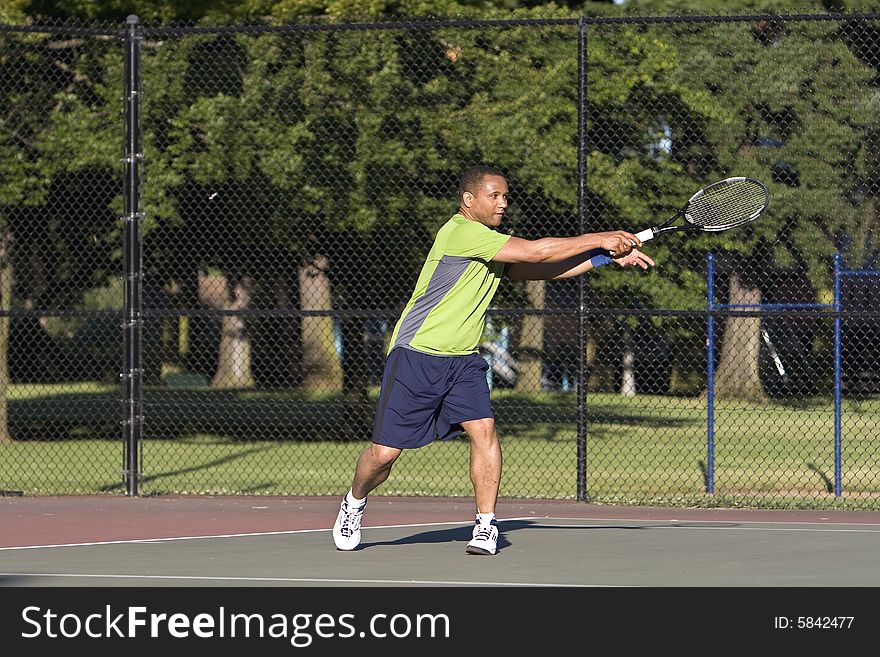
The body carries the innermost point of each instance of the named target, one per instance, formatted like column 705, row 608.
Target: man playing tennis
column 434, row 383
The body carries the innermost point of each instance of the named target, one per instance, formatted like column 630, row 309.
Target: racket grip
column 646, row 234
column 643, row 236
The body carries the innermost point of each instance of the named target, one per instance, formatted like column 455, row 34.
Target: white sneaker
column 485, row 540
column 347, row 529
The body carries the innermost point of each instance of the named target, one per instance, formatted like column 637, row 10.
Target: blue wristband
column 600, row 260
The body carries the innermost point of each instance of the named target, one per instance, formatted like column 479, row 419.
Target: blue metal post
column 710, row 379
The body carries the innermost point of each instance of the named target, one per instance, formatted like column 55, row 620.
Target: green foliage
column 118, row 10
column 12, row 12
column 297, row 142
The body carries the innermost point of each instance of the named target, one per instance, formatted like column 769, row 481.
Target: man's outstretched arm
column 558, row 249
column 574, row 266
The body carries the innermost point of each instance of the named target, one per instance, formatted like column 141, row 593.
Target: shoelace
column 484, row 532
column 351, row 521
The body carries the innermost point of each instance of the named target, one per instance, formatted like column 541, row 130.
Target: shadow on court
column 507, row 530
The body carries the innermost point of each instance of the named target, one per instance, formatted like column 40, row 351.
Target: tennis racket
column 723, row 205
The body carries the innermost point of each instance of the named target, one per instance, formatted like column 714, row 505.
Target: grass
column 641, row 450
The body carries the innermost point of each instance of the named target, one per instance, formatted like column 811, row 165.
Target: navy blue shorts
column 425, row 398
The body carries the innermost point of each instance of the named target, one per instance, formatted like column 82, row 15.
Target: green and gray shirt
column 446, row 314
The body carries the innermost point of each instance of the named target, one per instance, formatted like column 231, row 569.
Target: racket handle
column 646, row 234
column 643, row 236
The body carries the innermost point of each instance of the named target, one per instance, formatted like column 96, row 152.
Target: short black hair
column 472, row 178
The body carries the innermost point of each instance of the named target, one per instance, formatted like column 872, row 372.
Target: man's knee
column 382, row 455
column 481, row 431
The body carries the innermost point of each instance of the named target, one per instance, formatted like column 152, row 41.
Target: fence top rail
column 430, row 24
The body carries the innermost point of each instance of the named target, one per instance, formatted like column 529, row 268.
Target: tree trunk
column 678, row 371
column 234, row 358
column 358, row 420
column 5, row 304
column 531, row 341
column 172, row 332
column 628, row 363
column 738, row 376
column 600, row 374
column 289, row 366
column 321, row 370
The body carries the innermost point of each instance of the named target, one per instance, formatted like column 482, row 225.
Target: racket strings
column 727, row 205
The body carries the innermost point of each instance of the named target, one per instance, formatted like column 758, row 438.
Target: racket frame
column 652, row 232
column 682, row 212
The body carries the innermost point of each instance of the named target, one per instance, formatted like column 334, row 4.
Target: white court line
column 689, row 525
column 195, row 538
column 311, row 580
column 714, row 520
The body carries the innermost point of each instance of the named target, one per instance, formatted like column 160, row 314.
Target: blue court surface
column 167, row 572
column 156, row 542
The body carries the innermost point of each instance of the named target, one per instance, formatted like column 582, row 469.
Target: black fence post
column 581, row 388
column 132, row 372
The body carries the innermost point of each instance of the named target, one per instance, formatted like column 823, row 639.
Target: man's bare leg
column 485, row 465
column 373, row 467
column 485, row 470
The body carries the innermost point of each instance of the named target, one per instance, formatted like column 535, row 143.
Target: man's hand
column 619, row 242
column 633, row 258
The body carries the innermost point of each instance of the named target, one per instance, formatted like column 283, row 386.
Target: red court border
column 35, row 521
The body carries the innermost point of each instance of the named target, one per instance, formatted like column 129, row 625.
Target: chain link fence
column 208, row 233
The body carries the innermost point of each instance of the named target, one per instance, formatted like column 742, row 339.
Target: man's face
column 488, row 204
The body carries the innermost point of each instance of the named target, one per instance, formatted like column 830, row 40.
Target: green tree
column 59, row 158
column 800, row 87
